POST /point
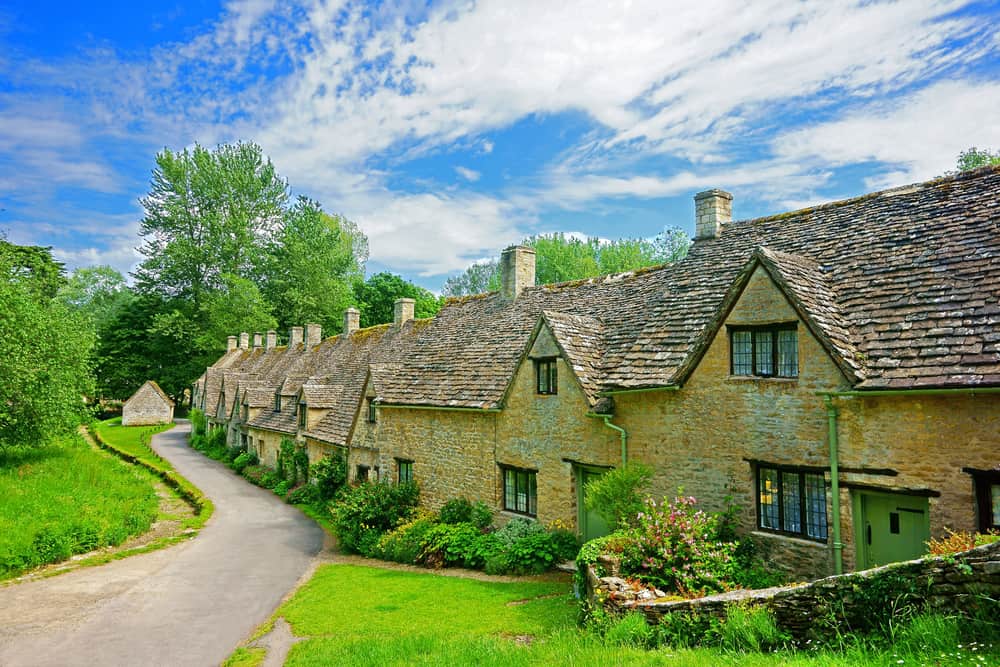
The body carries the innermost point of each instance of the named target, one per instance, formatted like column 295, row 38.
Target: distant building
column 148, row 405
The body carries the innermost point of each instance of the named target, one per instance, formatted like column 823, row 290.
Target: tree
column 46, row 351
column 376, row 297
column 559, row 258
column 98, row 292
column 313, row 262
column 974, row 158
column 209, row 213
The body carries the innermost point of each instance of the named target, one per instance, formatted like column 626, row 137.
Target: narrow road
column 189, row 604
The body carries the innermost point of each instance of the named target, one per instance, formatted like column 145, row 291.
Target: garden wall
column 847, row 602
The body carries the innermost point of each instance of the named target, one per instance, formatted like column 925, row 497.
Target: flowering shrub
column 363, row 513
column 675, row 547
column 960, row 541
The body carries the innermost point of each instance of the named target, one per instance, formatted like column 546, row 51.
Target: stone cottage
column 148, row 405
column 833, row 371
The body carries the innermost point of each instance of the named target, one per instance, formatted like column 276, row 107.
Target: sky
column 449, row 130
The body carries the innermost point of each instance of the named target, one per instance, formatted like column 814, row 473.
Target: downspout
column 838, row 546
column 614, row 427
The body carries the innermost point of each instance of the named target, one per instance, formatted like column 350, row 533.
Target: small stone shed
column 148, row 405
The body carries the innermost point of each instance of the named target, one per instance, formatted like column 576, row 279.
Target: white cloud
column 470, row 175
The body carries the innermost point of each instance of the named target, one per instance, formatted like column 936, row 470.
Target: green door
column 590, row 522
column 892, row 528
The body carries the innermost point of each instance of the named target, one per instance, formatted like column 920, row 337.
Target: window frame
column 277, row 402
column 753, row 330
column 984, row 482
column 803, row 501
column 531, row 499
column 550, row 368
column 357, row 473
column 371, row 411
column 302, row 415
column 401, row 465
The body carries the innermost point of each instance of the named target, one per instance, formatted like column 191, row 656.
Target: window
column 277, row 402
column 520, row 491
column 302, row 415
column 361, row 473
column 371, row 411
column 546, row 377
column 791, row 501
column 246, row 412
column 405, row 469
column 988, row 500
column 771, row 351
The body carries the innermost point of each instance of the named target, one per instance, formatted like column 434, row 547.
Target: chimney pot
column 272, row 340
column 244, row 341
column 402, row 311
column 231, row 343
column 352, row 321
column 258, row 340
column 295, row 337
column 712, row 209
column 517, row 270
column 314, row 334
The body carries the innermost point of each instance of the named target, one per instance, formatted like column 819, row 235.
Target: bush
column 198, row 422
column 362, row 514
column 526, row 547
column 304, row 494
column 458, row 510
column 482, row 515
column 330, row 474
column 673, row 547
column 405, row 543
column 957, row 542
column 617, row 495
column 451, row 544
column 281, row 488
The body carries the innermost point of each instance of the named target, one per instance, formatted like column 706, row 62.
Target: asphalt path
column 189, row 604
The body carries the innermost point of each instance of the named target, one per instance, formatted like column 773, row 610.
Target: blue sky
column 450, row 130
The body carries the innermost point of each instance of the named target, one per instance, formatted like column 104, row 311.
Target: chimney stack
column 272, row 340
column 295, row 337
column 517, row 270
column 231, row 343
column 314, row 334
column 712, row 209
column 352, row 321
column 402, row 311
column 244, row 341
column 258, row 340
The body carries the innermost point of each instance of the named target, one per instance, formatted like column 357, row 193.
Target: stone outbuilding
column 148, row 405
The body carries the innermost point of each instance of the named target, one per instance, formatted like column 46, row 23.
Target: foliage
column 213, row 445
column 617, row 495
column 526, row 547
column 461, row 510
column 241, row 461
column 957, row 542
column 559, row 257
column 46, row 350
column 330, row 474
column 405, row 543
column 674, row 547
column 304, row 494
column 363, row 513
column 750, row 629
column 198, row 421
column 312, row 264
column 376, row 298
column 974, row 158
column 98, row 292
column 64, row 499
column 450, row 544
column 629, row 630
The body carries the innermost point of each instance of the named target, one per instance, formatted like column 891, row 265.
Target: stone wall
column 147, row 407
column 846, row 602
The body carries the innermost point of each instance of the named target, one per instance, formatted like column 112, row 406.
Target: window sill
column 511, row 514
column 805, row 541
column 762, row 378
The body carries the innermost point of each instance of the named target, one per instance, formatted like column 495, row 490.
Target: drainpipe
column 615, row 427
column 838, row 546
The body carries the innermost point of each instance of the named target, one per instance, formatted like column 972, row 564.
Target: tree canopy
column 45, row 347
column 974, row 158
column 376, row 297
column 560, row 257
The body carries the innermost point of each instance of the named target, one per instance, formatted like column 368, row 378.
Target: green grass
column 134, row 440
column 354, row 615
column 68, row 498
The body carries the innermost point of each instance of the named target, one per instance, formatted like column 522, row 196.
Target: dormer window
column 546, row 377
column 371, row 411
column 302, row 415
column 277, row 402
column 765, row 351
column 246, row 412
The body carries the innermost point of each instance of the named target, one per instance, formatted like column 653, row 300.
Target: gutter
column 435, row 407
column 957, row 391
column 614, row 427
column 616, row 392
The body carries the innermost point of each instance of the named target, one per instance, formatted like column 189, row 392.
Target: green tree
column 46, row 351
column 98, row 292
column 376, row 296
column 209, row 213
column 974, row 158
column 478, row 278
column 314, row 260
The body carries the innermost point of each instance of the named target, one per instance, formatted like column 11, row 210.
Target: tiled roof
column 582, row 340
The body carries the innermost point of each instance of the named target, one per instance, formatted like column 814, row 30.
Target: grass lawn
column 353, row 615
column 68, row 498
column 134, row 440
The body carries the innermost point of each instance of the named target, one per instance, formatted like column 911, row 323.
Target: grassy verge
column 66, row 499
column 132, row 444
column 352, row 615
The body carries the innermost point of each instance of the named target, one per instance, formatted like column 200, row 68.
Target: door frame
column 859, row 519
column 578, row 471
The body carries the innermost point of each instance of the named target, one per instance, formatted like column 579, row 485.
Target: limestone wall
column 146, row 407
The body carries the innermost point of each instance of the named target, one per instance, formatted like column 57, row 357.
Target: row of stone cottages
column 835, row 370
